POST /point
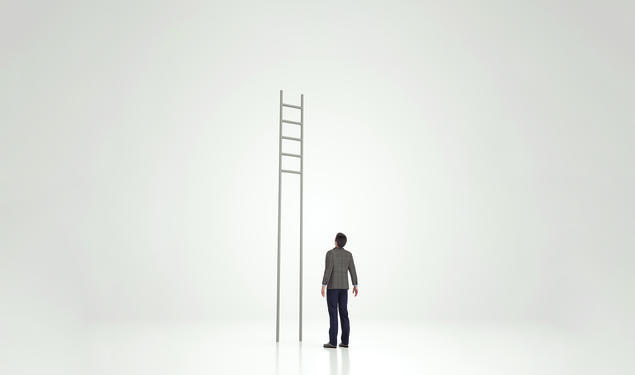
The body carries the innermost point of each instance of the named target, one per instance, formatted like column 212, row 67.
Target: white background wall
column 479, row 156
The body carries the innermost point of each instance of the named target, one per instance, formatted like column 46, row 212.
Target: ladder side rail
column 301, row 199
column 279, row 193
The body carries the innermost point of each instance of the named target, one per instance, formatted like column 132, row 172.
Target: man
column 339, row 262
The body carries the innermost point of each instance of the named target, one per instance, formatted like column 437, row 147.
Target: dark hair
column 340, row 238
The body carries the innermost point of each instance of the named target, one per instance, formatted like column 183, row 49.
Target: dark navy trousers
column 337, row 299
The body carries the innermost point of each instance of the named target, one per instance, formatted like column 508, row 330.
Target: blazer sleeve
column 351, row 269
column 328, row 268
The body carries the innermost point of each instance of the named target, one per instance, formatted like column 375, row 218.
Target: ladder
column 280, row 172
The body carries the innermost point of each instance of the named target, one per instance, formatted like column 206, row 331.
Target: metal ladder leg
column 301, row 173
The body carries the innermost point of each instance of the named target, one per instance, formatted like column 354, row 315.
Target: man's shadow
column 334, row 365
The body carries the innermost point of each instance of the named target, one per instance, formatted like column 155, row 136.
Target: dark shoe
column 343, row 346
column 328, row 345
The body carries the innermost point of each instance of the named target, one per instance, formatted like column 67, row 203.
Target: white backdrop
column 478, row 157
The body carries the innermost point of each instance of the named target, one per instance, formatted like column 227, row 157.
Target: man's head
column 340, row 240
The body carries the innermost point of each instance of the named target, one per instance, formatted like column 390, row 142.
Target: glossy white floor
column 375, row 348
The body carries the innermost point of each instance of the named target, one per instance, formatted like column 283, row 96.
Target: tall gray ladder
column 280, row 172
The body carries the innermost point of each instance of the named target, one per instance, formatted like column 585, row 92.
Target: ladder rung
column 291, row 138
column 291, row 106
column 292, row 122
column 288, row 171
column 294, row 155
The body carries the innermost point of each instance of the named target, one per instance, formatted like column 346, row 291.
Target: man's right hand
column 355, row 291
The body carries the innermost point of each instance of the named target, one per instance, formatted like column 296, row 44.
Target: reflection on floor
column 375, row 348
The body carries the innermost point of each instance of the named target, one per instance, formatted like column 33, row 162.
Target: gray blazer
column 339, row 262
